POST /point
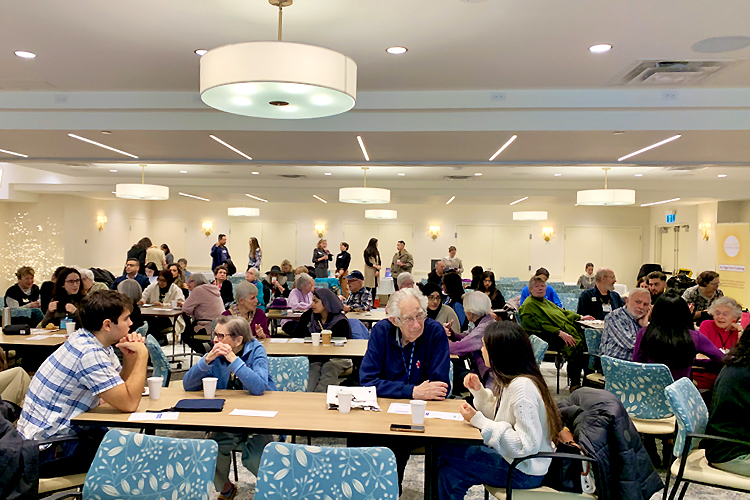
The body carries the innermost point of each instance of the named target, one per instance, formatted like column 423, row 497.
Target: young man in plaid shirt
column 77, row 376
column 360, row 298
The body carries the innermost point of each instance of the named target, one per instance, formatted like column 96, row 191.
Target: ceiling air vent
column 686, row 168
column 672, row 73
column 457, row 177
column 293, row 176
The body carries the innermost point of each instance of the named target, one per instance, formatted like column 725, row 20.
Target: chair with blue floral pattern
column 540, row 348
column 132, row 465
column 593, row 342
column 289, row 373
column 158, row 359
column 691, row 466
column 292, row 472
column 640, row 387
column 143, row 329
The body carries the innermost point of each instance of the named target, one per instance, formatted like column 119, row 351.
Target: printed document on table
column 363, row 397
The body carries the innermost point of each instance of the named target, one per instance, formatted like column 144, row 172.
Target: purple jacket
column 702, row 345
column 472, row 342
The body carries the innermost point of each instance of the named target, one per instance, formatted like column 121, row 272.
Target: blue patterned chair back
column 158, row 359
column 297, row 472
column 640, row 386
column 359, row 330
column 132, row 465
column 289, row 373
column 689, row 409
column 143, row 329
column 569, row 301
column 540, row 348
column 593, row 344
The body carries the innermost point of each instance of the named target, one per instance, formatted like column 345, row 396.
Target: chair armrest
column 64, row 494
column 717, row 438
column 541, row 454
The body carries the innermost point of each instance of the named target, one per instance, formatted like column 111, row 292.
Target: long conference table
column 354, row 348
column 299, row 413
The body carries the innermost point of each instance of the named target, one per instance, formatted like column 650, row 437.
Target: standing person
column 47, row 291
column 702, row 295
column 372, row 266
column 138, row 252
column 403, row 262
column 602, row 299
column 587, row 280
column 219, row 252
column 487, row 285
column 320, row 259
column 517, row 419
column 255, row 255
column 77, row 376
column 66, row 302
column 168, row 257
column 452, row 262
column 343, row 259
column 156, row 256
column 723, row 331
column 24, row 293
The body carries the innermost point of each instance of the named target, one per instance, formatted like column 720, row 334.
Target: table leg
column 430, row 471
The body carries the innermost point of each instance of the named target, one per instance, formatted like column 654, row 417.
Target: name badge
column 607, row 308
column 593, row 299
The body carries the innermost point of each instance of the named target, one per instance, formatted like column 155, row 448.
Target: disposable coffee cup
column 154, row 387
column 326, row 337
column 70, row 327
column 174, row 304
column 209, row 387
column 316, row 338
column 417, row 411
column 345, row 400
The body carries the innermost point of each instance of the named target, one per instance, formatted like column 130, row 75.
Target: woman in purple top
column 670, row 339
column 477, row 306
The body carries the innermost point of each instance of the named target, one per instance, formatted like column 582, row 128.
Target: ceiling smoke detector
column 672, row 72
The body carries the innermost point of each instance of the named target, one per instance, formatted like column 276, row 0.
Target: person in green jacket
column 555, row 326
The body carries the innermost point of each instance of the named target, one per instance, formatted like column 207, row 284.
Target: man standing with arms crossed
column 402, row 262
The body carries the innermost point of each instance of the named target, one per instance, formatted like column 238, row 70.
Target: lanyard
column 411, row 358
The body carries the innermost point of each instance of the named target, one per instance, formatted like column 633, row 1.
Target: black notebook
column 196, row 405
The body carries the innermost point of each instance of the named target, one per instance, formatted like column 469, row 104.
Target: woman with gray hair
column 300, row 299
column 132, row 290
column 246, row 306
column 477, row 306
column 723, row 331
column 239, row 362
column 88, row 285
column 203, row 305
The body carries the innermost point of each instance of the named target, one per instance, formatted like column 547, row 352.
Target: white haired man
column 622, row 325
column 405, row 280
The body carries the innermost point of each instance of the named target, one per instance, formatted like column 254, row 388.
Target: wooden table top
column 369, row 316
column 28, row 340
column 354, row 348
column 303, row 412
column 160, row 311
column 283, row 314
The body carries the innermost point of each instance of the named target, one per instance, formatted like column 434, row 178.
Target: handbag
column 572, row 476
column 17, row 330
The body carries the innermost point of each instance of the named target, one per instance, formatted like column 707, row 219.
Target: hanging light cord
column 365, row 169
column 280, row 15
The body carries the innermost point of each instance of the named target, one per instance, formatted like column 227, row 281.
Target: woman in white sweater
column 161, row 294
column 519, row 418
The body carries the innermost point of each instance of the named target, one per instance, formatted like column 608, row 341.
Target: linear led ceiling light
column 660, row 143
column 381, row 214
column 519, row 200
column 606, row 197
column 362, row 147
column 319, row 198
column 230, row 147
column 364, row 195
column 13, row 153
column 510, row 141
column 449, row 201
column 256, row 198
column 142, row 191
column 278, row 79
column 101, row 145
column 193, row 196
column 660, row 202
column 529, row 216
column 243, row 212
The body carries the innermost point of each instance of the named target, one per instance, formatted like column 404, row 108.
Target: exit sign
column 671, row 218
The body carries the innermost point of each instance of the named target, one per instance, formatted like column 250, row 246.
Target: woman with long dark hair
column 669, row 338
column 487, row 285
column 138, row 251
column 372, row 266
column 517, row 418
column 729, row 409
column 453, row 288
column 476, row 277
column 167, row 254
column 66, row 301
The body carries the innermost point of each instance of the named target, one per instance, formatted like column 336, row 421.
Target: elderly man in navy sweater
column 407, row 357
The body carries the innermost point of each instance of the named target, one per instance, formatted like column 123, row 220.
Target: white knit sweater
column 519, row 427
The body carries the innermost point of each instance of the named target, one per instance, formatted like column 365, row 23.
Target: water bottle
column 6, row 316
column 64, row 322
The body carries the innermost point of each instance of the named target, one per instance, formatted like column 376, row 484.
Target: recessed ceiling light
column 519, row 200
column 362, row 147
column 449, row 201
column 478, row 174
column 618, row 132
column 193, row 196
column 200, row 52
column 101, row 145
column 660, row 143
column 256, row 173
column 503, row 148
column 638, row 175
column 557, row 175
column 229, row 147
column 721, row 175
column 256, row 198
column 659, row 202
column 112, row 170
column 600, row 48
column 106, row 132
column 319, row 198
column 183, row 171
column 328, row 173
column 24, row 54
column 396, row 50
column 401, row 174
column 13, row 153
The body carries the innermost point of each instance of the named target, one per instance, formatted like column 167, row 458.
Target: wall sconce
column 434, row 232
column 320, row 229
column 207, row 227
column 704, row 227
column 547, row 233
column 101, row 220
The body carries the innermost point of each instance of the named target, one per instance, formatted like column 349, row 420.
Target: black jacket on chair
column 601, row 426
column 19, row 459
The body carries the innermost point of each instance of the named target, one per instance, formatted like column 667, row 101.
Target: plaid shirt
column 360, row 300
column 67, row 384
column 618, row 337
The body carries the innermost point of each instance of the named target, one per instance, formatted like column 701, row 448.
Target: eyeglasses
column 73, row 282
column 408, row 319
column 434, row 298
column 222, row 336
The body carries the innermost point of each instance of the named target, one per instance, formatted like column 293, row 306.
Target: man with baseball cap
column 360, row 298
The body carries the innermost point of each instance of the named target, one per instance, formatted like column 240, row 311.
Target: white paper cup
column 70, row 327
column 209, row 387
column 345, row 400
column 417, row 411
column 316, row 338
column 154, row 387
column 174, row 304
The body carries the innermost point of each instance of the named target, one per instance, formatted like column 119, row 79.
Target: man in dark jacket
column 601, row 426
column 602, row 299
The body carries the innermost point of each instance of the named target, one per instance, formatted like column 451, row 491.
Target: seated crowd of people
column 408, row 354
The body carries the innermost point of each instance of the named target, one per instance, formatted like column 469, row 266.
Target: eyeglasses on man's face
column 411, row 319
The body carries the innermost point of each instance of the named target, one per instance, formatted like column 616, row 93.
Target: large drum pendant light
column 364, row 195
column 142, row 191
column 606, row 197
column 278, row 79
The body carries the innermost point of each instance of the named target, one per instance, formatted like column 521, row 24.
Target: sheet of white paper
column 59, row 335
column 167, row 415
column 400, row 408
column 444, row 415
column 35, row 331
column 279, row 341
column 363, row 396
column 253, row 413
column 297, row 340
column 162, row 308
column 39, row 337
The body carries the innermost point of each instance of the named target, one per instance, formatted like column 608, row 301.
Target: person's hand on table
column 52, row 306
column 467, row 411
column 259, row 333
column 471, row 381
column 180, row 302
column 588, row 317
column 70, row 308
column 141, row 302
column 430, row 391
column 567, row 338
column 158, row 304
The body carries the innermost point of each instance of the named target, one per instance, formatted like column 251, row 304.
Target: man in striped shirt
column 77, row 376
column 622, row 325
